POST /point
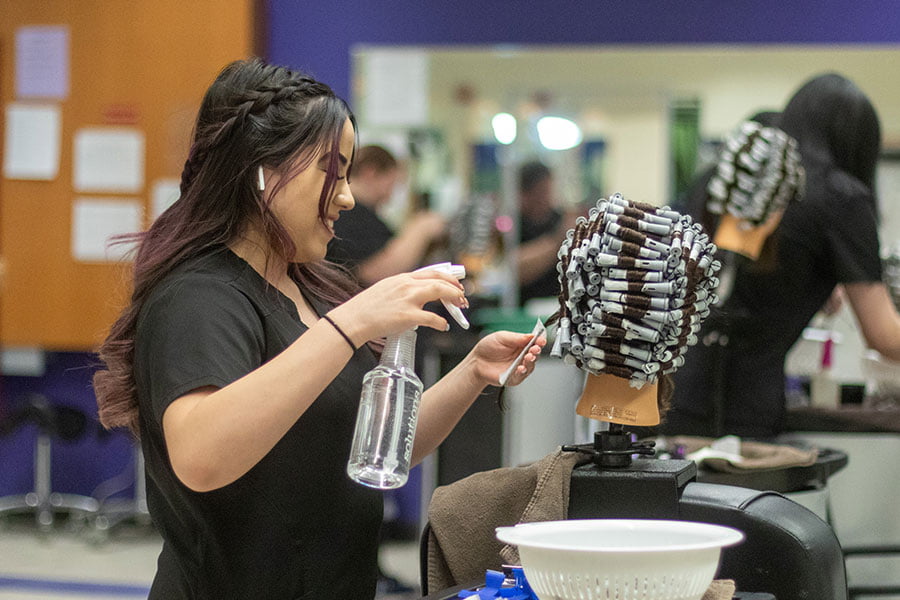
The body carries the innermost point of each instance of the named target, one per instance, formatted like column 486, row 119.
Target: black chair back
column 788, row 550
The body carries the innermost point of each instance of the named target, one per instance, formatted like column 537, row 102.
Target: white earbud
column 261, row 179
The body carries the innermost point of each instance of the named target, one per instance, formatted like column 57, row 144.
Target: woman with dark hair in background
column 828, row 238
column 239, row 361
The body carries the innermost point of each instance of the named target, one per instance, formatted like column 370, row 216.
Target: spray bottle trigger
column 458, row 271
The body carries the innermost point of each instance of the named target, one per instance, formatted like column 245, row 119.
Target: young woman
column 827, row 239
column 239, row 361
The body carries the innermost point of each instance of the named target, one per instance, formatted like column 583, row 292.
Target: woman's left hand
column 494, row 354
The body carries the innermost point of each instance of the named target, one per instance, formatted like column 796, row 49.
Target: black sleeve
column 198, row 332
column 852, row 235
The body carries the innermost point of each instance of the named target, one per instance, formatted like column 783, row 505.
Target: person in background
column 370, row 249
column 828, row 238
column 240, row 358
column 363, row 242
column 542, row 228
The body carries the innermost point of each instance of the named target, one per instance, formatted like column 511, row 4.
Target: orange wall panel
column 145, row 62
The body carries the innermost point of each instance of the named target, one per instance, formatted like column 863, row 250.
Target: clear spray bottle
column 389, row 408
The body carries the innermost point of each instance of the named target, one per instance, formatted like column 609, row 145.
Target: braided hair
column 253, row 115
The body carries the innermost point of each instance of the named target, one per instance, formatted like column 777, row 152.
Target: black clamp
column 613, row 448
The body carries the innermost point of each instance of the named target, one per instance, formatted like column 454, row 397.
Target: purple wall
column 319, row 36
column 77, row 466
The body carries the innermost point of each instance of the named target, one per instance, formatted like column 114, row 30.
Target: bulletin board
column 137, row 67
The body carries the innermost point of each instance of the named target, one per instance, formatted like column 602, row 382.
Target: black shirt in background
column 295, row 525
column 547, row 284
column 359, row 234
column 830, row 237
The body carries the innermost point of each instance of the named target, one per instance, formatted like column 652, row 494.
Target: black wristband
column 340, row 331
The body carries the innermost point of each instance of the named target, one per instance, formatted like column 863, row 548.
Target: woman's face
column 296, row 205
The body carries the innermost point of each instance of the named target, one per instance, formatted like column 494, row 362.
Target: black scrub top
column 359, row 234
column 547, row 284
column 295, row 525
column 830, row 237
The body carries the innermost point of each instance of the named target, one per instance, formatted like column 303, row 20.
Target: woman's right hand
column 394, row 304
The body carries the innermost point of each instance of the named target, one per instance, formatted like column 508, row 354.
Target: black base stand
column 617, row 485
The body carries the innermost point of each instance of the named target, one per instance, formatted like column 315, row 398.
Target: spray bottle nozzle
column 458, row 271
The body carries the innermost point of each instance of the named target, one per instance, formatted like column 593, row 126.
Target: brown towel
column 464, row 515
column 756, row 455
column 462, row 543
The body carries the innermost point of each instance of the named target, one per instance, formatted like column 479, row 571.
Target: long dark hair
column 253, row 115
column 835, row 125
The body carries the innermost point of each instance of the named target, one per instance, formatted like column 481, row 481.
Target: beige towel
column 756, row 456
column 720, row 589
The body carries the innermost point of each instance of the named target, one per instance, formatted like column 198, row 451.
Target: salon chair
column 788, row 551
column 113, row 509
column 54, row 422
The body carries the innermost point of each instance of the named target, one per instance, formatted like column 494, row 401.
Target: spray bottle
column 825, row 390
column 389, row 407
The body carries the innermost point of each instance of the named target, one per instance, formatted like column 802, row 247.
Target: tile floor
column 72, row 563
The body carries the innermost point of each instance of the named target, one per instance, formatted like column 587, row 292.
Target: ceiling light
column 504, row 125
column 558, row 133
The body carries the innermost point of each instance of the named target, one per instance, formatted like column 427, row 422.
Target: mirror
column 624, row 95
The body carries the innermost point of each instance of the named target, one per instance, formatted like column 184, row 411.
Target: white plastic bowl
column 619, row 559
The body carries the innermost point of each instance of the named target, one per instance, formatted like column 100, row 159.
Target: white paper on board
column 165, row 192
column 396, row 91
column 96, row 220
column 31, row 149
column 42, row 62
column 109, row 159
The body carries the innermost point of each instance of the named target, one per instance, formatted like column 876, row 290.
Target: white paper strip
column 538, row 331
